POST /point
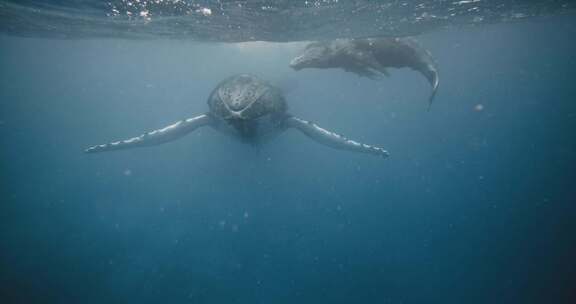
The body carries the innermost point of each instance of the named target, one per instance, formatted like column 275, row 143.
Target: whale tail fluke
column 423, row 62
column 432, row 75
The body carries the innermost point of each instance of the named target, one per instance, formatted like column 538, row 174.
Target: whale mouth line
column 237, row 107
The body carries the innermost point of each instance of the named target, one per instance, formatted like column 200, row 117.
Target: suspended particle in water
column 479, row 107
column 128, row 172
column 204, row 11
column 145, row 14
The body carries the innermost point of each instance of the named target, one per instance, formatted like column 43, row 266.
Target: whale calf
column 369, row 57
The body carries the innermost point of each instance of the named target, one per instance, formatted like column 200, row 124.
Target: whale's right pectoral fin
column 156, row 137
column 332, row 139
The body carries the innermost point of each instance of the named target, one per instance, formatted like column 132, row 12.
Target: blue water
column 475, row 204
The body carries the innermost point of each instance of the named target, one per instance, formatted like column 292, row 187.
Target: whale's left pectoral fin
column 332, row 139
column 156, row 137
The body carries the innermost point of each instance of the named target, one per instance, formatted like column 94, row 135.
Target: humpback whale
column 248, row 108
column 369, row 57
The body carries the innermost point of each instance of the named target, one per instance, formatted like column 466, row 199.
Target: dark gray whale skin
column 369, row 57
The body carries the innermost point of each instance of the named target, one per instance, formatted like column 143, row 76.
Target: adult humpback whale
column 247, row 108
column 369, row 57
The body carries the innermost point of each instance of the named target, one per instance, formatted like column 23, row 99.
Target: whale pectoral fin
column 363, row 71
column 332, row 139
column 364, row 64
column 156, row 137
column 373, row 64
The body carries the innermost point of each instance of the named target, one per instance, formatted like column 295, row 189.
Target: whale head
column 315, row 55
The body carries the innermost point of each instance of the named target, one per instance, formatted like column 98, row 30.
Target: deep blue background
column 472, row 206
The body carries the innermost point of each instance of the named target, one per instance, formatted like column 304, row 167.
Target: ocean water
column 475, row 204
